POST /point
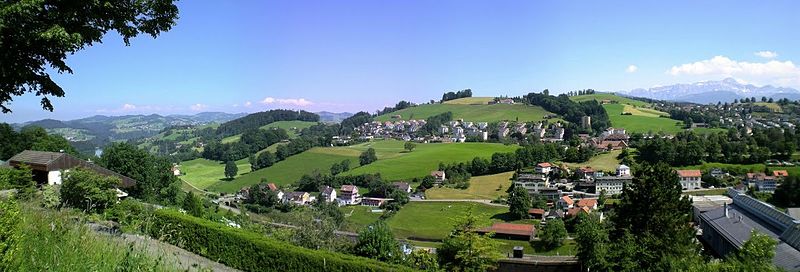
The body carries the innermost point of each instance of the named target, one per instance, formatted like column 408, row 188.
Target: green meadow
column 203, row 173
column 480, row 187
column 641, row 123
column 609, row 97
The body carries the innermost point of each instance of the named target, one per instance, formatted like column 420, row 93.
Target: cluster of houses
column 611, row 139
column 347, row 195
column 546, row 132
column 739, row 116
column 457, row 130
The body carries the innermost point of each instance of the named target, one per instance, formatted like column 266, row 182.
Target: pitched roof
column 689, row 173
column 348, row 188
column 404, row 186
column 437, row 173
column 36, row 158
column 544, row 164
column 587, row 202
column 511, row 229
column 567, row 200
column 54, row 161
column 327, row 190
column 574, row 211
column 536, row 211
column 272, row 187
column 780, row 173
column 586, row 169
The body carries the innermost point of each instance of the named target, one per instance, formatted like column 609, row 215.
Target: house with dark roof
column 726, row 229
column 762, row 182
column 510, row 231
column 349, row 195
column 536, row 213
column 328, row 194
column 402, row 186
column 48, row 167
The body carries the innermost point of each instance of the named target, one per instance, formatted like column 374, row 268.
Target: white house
column 349, row 195
column 543, row 168
column 623, row 170
column 439, row 176
column 690, row 179
column 328, row 194
column 565, row 202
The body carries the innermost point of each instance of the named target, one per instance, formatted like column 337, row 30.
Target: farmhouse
column 575, row 211
column 349, row 195
column 590, row 203
column 690, row 179
column 439, row 176
column 536, row 213
column 299, row 198
column 328, row 194
column 402, row 186
column 543, row 168
column 47, row 167
column 510, row 231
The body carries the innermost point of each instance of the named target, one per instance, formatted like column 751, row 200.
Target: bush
column 250, row 251
column 51, row 196
column 84, row 189
column 9, row 231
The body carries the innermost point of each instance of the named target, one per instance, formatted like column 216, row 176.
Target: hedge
column 251, row 251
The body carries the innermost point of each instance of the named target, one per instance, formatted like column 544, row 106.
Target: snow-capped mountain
column 705, row 92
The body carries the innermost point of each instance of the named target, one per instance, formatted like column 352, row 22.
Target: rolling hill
column 469, row 109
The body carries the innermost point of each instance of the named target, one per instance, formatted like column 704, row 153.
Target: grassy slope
column 394, row 164
column 482, row 187
column 473, row 113
column 287, row 171
column 470, row 101
column 793, row 170
column 773, row 106
column 434, row 220
column 289, row 125
column 639, row 123
column 610, row 97
column 604, row 162
column 203, row 173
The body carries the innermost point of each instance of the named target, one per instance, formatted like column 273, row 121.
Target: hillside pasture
column 480, row 187
column 472, row 113
column 640, row 123
column 470, row 101
column 292, row 127
column 609, row 97
column 203, row 173
column 434, row 220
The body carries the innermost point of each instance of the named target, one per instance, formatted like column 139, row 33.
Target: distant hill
column 472, row 109
column 99, row 130
column 706, row 92
column 333, row 117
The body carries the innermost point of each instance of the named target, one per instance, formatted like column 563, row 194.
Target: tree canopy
column 37, row 35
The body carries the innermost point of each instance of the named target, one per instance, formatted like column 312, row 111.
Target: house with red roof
column 510, row 231
column 590, row 203
column 543, row 168
column 573, row 212
column 565, row 202
column 348, row 195
column 690, row 179
column 536, row 213
column 780, row 173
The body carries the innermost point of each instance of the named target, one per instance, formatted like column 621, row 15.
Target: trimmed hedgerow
column 250, row 251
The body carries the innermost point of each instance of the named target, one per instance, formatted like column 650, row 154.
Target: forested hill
column 260, row 119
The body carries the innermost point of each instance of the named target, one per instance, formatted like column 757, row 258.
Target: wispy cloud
column 781, row 73
column 198, row 107
column 248, row 104
column 632, row 69
column 766, row 54
column 298, row 102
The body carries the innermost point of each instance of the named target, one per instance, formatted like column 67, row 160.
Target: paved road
column 483, row 201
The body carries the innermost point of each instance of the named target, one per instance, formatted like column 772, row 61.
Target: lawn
column 772, row 106
column 356, row 217
column 481, row 187
column 434, row 220
column 395, row 164
column 203, row 173
column 743, row 168
column 640, row 123
column 718, row 191
column 470, row 101
column 610, row 97
column 472, row 113
column 291, row 127
column 605, row 162
column 287, row 171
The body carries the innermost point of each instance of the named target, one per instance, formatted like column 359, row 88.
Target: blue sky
column 246, row 56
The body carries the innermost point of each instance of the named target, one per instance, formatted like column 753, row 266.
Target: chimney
column 725, row 206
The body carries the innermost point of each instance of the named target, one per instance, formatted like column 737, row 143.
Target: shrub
column 9, row 231
column 250, row 251
column 88, row 190
column 51, row 196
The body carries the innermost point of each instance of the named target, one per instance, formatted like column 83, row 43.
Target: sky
column 248, row 56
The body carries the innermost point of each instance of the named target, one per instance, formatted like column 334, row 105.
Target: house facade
column 328, row 194
column 612, row 185
column 349, row 195
column 690, row 179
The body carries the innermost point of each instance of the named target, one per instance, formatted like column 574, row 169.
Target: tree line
column 260, row 119
column 456, row 95
column 571, row 111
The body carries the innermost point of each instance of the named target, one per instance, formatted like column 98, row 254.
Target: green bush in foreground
column 251, row 251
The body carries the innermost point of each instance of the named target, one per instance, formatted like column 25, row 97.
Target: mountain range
column 706, row 92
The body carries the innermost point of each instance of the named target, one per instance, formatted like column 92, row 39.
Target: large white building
column 612, row 185
column 690, row 179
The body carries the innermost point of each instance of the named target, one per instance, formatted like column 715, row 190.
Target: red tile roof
column 586, row 169
column 544, row 164
column 780, row 173
column 272, row 187
column 690, row 173
column 536, row 211
column 587, row 202
column 348, row 188
column 567, row 200
column 574, row 211
column 509, row 229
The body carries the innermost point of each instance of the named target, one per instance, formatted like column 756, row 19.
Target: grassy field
column 609, row 97
column 719, row 191
column 232, row 139
column 640, row 123
column 772, row 106
column 605, row 162
column 743, row 168
column 470, row 101
column 473, row 113
column 203, row 173
column 356, row 217
column 481, row 187
column 291, row 127
column 434, row 220
column 287, row 171
column 396, row 164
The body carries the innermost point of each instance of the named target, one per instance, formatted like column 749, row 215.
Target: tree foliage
column 155, row 179
column 466, row 250
column 89, row 191
column 192, row 205
column 9, row 231
column 367, row 157
column 31, row 138
column 231, row 169
column 39, row 34
column 456, row 95
column 409, row 146
column 376, row 241
column 553, row 234
column 519, row 202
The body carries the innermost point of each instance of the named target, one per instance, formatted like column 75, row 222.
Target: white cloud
column 248, row 104
column 128, row 107
column 198, row 107
column 781, row 73
column 299, row 102
column 767, row 54
column 632, row 69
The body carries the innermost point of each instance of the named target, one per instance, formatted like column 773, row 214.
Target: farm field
column 473, row 113
column 434, row 220
column 356, row 217
column 470, row 101
column 395, row 164
column 609, row 97
column 639, row 123
column 291, row 127
column 605, row 162
column 287, row 171
column 481, row 187
column 203, row 173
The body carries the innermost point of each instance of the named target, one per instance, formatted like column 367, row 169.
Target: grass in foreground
column 507, row 247
column 52, row 241
column 481, row 187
